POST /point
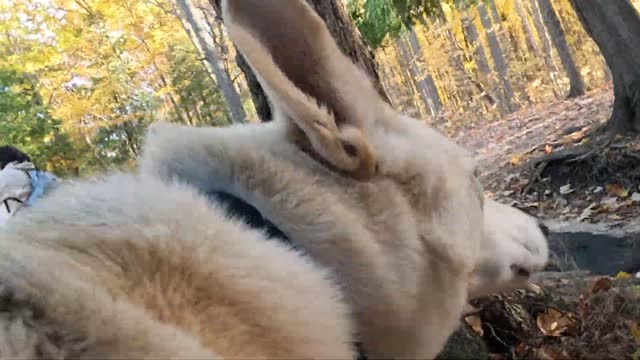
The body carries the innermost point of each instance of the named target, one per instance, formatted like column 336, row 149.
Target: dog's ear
column 330, row 102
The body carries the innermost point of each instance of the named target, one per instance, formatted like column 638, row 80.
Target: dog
column 388, row 231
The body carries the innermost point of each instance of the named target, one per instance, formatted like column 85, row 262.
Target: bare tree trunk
column 259, row 97
column 387, row 78
column 213, row 62
column 498, row 59
column 433, row 94
column 406, row 64
column 544, row 36
column 425, row 80
column 615, row 28
column 528, row 32
column 403, row 88
column 480, row 58
column 471, row 34
column 553, row 25
column 497, row 20
column 336, row 17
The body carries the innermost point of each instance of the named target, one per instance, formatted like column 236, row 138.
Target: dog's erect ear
column 310, row 82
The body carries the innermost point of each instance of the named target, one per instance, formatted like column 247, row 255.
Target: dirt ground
column 549, row 161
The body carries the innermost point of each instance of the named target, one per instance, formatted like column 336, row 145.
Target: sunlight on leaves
column 553, row 322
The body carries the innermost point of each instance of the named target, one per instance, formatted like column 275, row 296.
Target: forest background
column 80, row 80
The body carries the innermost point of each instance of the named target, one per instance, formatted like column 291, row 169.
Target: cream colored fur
column 406, row 247
column 129, row 267
column 396, row 232
column 407, row 236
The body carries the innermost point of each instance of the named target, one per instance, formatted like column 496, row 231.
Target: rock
column 603, row 254
column 465, row 344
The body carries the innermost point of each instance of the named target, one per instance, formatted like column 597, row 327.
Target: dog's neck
column 242, row 210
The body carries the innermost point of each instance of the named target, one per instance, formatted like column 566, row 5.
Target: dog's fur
column 129, row 267
column 386, row 212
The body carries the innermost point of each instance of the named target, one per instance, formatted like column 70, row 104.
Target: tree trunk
column 213, row 62
column 406, row 64
column 424, row 79
column 471, row 34
column 528, row 32
column 260, row 100
column 336, row 17
column 615, row 28
column 498, row 59
column 480, row 58
column 546, row 41
column 553, row 25
column 399, row 80
column 497, row 20
column 387, row 78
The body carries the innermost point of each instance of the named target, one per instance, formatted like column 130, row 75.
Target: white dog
column 392, row 231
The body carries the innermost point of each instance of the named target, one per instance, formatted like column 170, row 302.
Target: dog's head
column 335, row 114
column 514, row 248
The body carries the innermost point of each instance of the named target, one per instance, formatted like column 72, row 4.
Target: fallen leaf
column 476, row 324
column 587, row 212
column 616, row 190
column 598, row 189
column 548, row 149
column 609, row 204
column 553, row 322
column 565, row 189
column 534, row 288
column 517, row 159
column 603, row 284
column 634, row 328
column 494, row 356
column 635, row 197
column 623, row 275
column 521, row 348
column 575, row 136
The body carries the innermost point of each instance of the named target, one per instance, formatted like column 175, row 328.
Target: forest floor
column 550, row 161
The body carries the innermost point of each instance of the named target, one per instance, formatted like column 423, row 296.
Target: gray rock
column 599, row 253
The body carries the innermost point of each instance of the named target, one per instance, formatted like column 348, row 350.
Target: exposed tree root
column 603, row 160
column 574, row 316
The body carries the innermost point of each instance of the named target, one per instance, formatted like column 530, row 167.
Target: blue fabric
column 41, row 182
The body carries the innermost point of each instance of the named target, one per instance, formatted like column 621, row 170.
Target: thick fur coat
column 393, row 229
column 129, row 267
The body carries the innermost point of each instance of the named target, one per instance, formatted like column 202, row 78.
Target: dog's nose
column 545, row 229
column 520, row 271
